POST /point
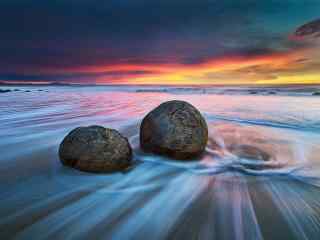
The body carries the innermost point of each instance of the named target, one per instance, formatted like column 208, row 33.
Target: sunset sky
column 159, row 42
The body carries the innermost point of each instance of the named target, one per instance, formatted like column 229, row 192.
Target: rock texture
column 175, row 129
column 95, row 149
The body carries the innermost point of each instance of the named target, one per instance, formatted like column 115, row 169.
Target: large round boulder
column 175, row 129
column 95, row 149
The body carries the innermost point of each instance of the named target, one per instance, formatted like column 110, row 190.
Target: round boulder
column 95, row 149
column 175, row 129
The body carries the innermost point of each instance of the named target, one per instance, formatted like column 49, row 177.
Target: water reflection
column 222, row 196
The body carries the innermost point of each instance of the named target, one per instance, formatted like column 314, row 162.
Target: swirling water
column 223, row 195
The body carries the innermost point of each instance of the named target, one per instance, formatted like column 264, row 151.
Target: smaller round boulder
column 95, row 149
column 175, row 129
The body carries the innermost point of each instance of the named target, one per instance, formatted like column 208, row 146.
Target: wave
column 259, row 177
column 302, row 125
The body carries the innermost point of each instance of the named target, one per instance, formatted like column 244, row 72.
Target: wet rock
column 249, row 152
column 151, row 90
column 175, row 129
column 253, row 92
column 5, row 90
column 95, row 149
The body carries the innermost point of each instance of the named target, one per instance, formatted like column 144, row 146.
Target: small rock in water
column 5, row 90
column 253, row 92
column 316, row 94
column 175, row 129
column 95, row 149
column 249, row 152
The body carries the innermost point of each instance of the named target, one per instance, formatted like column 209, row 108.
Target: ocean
column 221, row 195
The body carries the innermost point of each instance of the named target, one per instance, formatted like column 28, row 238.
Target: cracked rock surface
column 175, row 129
column 95, row 149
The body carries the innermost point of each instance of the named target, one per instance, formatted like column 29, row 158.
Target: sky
column 160, row 42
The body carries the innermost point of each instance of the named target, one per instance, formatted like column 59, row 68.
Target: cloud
column 46, row 37
column 269, row 71
column 309, row 29
column 85, row 77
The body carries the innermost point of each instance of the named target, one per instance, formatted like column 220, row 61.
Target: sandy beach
column 215, row 197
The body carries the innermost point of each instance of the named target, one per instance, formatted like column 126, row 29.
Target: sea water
column 220, row 195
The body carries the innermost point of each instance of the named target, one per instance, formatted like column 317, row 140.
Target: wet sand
column 216, row 197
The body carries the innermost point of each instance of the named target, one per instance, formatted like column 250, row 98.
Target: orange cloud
column 298, row 66
column 275, row 68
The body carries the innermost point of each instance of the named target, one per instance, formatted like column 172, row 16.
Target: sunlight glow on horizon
column 224, row 71
column 291, row 67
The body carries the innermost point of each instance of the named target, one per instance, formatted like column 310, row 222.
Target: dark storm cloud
column 310, row 28
column 56, row 35
column 73, row 76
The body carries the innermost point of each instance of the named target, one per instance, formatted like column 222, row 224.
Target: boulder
column 95, row 149
column 175, row 129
